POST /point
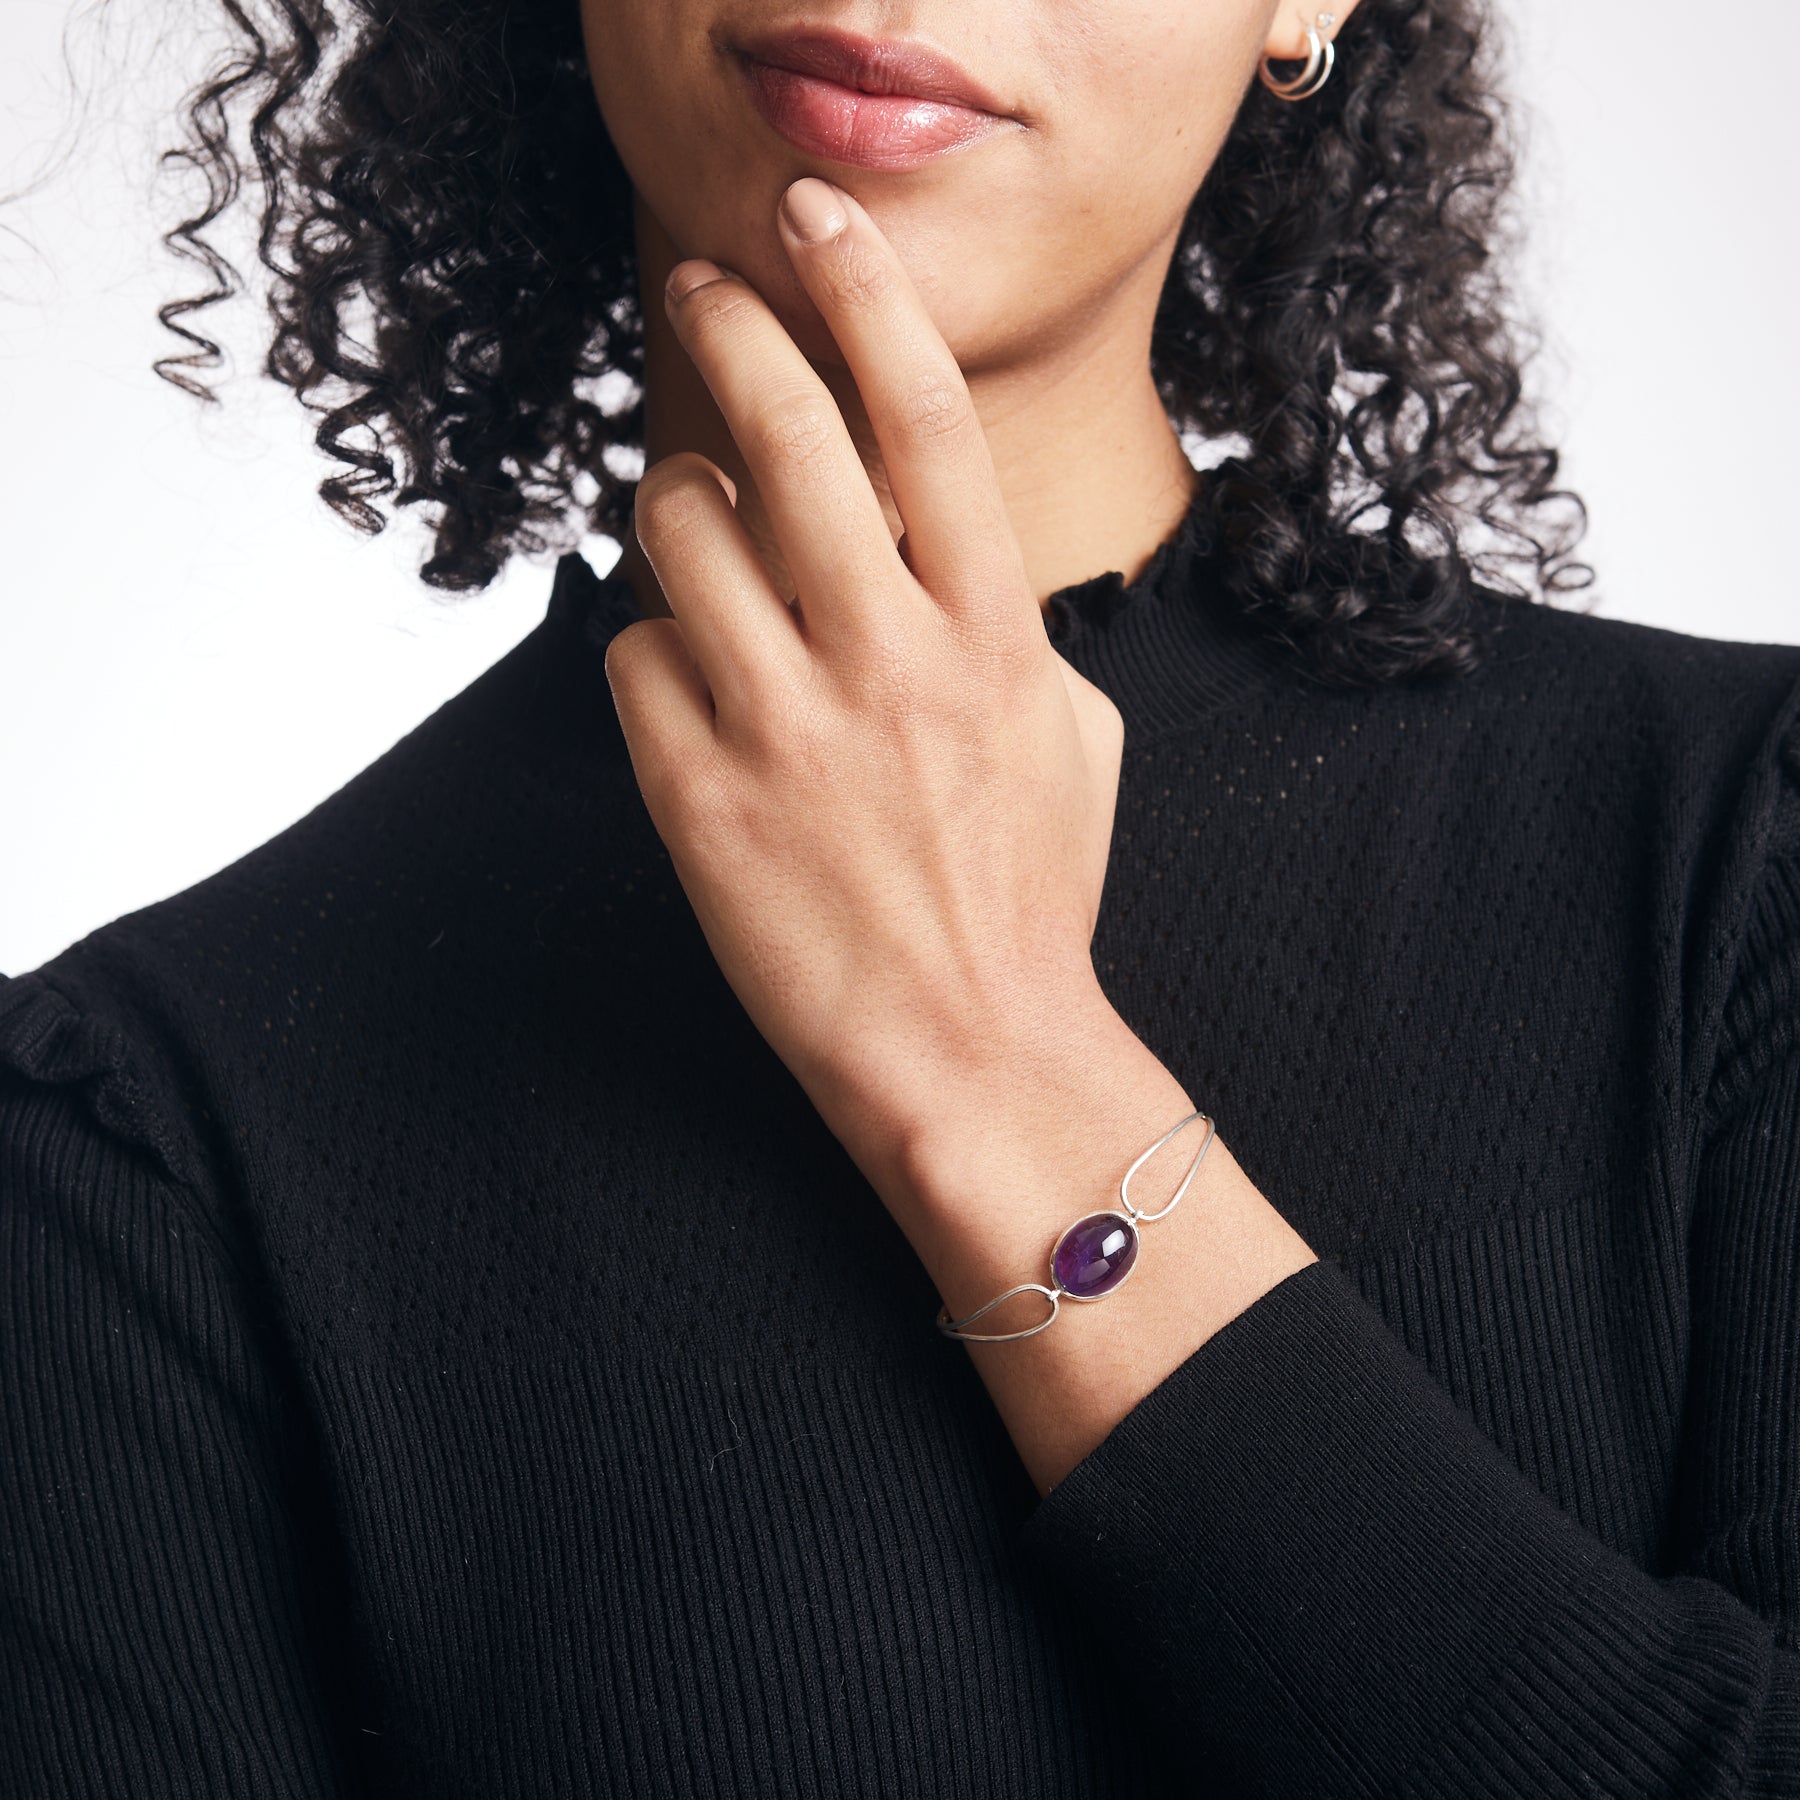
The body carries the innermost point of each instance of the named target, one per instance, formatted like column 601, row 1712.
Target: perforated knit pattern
column 442, row 1353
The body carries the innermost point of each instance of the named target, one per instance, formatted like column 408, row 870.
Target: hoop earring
column 1321, row 55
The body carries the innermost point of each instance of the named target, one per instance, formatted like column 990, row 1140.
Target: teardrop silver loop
column 1132, row 1212
column 954, row 1327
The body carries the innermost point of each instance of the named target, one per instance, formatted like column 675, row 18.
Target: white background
column 193, row 652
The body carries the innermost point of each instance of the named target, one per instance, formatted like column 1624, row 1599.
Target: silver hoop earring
column 1321, row 55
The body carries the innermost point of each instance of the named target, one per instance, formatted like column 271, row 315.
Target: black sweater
column 443, row 1353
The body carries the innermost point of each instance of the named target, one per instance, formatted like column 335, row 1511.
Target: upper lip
column 872, row 65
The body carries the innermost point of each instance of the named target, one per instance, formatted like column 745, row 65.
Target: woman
column 472, row 1263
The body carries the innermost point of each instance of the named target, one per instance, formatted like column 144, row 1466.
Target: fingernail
column 813, row 210
column 686, row 276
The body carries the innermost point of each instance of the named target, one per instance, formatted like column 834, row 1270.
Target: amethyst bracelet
column 1092, row 1257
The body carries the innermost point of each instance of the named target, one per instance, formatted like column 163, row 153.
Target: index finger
column 959, row 536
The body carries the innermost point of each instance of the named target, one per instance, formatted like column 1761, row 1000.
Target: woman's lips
column 872, row 131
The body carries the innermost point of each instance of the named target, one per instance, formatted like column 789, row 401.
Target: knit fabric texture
column 443, row 1353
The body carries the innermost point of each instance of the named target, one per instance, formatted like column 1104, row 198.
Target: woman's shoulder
column 1682, row 752
column 1687, row 741
column 1600, row 667
column 505, row 826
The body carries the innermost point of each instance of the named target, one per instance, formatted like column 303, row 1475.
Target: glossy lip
column 874, row 103
column 890, row 66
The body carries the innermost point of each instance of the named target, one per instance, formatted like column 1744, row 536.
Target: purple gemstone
column 1094, row 1255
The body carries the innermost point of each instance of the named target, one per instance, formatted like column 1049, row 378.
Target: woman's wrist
column 1027, row 1136
column 984, row 1185
column 937, row 1129
column 1011, row 1147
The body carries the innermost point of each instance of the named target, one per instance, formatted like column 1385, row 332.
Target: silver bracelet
column 1090, row 1259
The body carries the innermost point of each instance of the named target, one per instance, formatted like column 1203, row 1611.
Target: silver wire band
column 1124, row 1186
column 1054, row 1293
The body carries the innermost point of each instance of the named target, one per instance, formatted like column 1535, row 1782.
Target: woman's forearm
column 891, row 806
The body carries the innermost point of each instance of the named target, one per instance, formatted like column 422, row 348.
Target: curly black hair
column 448, row 234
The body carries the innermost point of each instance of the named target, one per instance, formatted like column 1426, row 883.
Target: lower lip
column 871, row 131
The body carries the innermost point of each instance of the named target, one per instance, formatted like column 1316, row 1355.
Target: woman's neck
column 1093, row 474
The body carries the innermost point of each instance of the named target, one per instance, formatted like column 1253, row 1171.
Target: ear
column 1286, row 41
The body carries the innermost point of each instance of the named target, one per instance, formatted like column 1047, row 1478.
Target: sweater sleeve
column 163, row 1579
column 1327, row 1580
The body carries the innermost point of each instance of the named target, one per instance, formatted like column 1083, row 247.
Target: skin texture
column 888, row 799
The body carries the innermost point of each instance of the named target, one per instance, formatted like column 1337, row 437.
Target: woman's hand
column 891, row 803
column 891, row 806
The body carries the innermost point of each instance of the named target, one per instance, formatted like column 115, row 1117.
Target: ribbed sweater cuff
column 1300, row 1502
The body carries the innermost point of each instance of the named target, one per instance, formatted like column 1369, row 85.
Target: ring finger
column 738, row 629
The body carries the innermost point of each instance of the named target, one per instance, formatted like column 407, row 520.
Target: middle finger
column 933, row 448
